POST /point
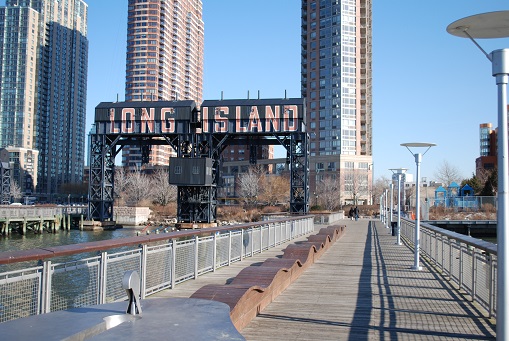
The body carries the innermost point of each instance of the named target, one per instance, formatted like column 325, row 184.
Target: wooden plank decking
column 363, row 289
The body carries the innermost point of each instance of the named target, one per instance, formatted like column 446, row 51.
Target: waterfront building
column 336, row 80
column 165, row 41
column 43, row 76
column 487, row 160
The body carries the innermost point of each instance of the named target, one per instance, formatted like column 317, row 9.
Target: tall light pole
column 426, row 200
column 399, row 172
column 370, row 192
column 418, row 159
column 495, row 25
column 385, row 208
column 391, row 186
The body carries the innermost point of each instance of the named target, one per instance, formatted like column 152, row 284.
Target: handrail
column 162, row 261
column 9, row 257
column 477, row 243
column 468, row 262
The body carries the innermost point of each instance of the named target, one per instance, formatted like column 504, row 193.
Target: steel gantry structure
column 197, row 133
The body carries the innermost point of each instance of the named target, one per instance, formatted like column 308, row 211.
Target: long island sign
column 262, row 116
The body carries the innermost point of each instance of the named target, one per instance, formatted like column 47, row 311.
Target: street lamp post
column 494, row 25
column 418, row 159
column 425, row 214
column 391, row 186
column 385, row 208
column 399, row 172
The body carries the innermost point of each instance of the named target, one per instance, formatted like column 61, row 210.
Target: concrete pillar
column 24, row 229
column 81, row 222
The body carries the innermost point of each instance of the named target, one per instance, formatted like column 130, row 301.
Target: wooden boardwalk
column 223, row 275
column 363, row 289
column 360, row 289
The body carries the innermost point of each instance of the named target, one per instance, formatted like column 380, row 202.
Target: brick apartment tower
column 336, row 81
column 165, row 40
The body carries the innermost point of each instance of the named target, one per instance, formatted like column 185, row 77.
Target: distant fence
column 474, row 203
column 94, row 273
column 468, row 262
column 28, row 211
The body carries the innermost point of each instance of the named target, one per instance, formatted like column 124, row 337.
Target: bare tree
column 138, row 188
column 328, row 193
column 163, row 193
column 447, row 173
column 274, row 189
column 379, row 187
column 356, row 184
column 410, row 195
column 249, row 184
column 15, row 190
column 121, row 182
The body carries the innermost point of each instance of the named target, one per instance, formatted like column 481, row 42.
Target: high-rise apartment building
column 487, row 160
column 336, row 82
column 43, row 76
column 165, row 40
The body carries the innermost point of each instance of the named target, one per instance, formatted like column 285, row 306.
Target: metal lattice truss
column 101, row 183
column 190, row 139
column 5, row 185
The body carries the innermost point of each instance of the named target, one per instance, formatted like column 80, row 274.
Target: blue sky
column 428, row 86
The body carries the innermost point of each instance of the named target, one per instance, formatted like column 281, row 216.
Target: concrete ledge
column 255, row 287
column 162, row 319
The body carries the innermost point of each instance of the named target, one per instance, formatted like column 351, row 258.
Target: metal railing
column 162, row 260
column 468, row 262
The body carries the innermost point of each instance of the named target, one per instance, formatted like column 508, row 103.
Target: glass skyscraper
column 43, row 75
column 336, row 82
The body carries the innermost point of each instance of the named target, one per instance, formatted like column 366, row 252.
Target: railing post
column 196, row 251
column 261, row 238
column 45, row 304
column 102, row 277
column 460, row 279
column 229, row 247
column 173, row 261
column 241, row 244
column 268, row 236
column 143, row 275
column 281, row 232
column 450, row 258
column 214, row 256
column 491, row 286
column 442, row 260
column 474, row 274
column 436, row 248
column 252, row 241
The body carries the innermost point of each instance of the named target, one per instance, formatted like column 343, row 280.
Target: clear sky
column 428, row 86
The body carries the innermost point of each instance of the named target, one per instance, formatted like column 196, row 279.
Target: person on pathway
column 350, row 213
column 356, row 213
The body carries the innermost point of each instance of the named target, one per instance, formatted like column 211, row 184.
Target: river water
column 34, row 241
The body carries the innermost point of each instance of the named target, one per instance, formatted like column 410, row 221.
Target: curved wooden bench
column 255, row 287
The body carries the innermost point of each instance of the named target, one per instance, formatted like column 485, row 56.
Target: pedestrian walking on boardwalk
column 356, row 213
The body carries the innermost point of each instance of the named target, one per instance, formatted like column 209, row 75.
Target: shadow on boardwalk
column 363, row 289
